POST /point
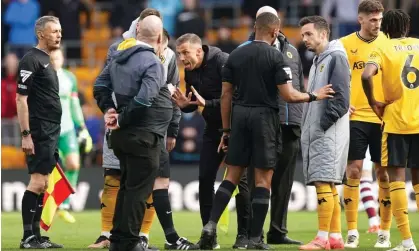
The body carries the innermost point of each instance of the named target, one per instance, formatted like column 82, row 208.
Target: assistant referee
column 39, row 112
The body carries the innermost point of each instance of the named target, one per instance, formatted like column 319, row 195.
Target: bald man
column 138, row 120
column 290, row 119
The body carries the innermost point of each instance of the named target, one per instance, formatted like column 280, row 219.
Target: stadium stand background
column 90, row 26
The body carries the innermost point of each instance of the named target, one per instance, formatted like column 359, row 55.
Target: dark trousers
column 282, row 179
column 208, row 167
column 138, row 152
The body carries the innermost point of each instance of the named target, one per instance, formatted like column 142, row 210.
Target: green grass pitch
column 77, row 236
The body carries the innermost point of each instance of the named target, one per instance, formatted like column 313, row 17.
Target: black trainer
column 241, row 242
column 144, row 242
column 208, row 239
column 181, row 244
column 31, row 243
column 257, row 245
column 216, row 245
column 49, row 244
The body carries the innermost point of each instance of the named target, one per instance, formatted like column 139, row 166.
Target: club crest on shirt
column 321, row 67
column 289, row 54
column 162, row 59
column 354, row 51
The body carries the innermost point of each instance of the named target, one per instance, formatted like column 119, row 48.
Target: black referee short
column 164, row 167
column 254, row 139
column 45, row 136
column 364, row 134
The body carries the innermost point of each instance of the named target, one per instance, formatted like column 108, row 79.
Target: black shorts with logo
column 400, row 150
column 362, row 135
column 254, row 139
column 45, row 136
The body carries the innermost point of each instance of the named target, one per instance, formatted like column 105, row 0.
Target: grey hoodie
column 325, row 124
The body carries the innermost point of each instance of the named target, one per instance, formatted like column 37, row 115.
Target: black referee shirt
column 38, row 80
column 255, row 70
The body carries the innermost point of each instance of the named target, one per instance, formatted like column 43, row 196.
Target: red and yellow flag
column 58, row 190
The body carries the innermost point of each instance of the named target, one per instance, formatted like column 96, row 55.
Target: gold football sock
column 416, row 189
column 385, row 205
column 351, row 202
column 336, row 225
column 107, row 207
column 325, row 206
column 398, row 199
column 148, row 219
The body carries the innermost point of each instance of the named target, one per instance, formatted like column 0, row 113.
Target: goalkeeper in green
column 72, row 119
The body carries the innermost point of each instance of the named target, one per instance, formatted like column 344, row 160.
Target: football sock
column 260, row 206
column 243, row 211
column 367, row 198
column 398, row 199
column 385, row 205
column 336, row 225
column 107, row 207
column 37, row 216
column 416, row 189
column 29, row 205
column 221, row 200
column 351, row 202
column 164, row 213
column 148, row 219
column 325, row 206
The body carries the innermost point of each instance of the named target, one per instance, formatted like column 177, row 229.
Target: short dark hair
column 150, row 12
column 396, row 23
column 166, row 36
column 319, row 23
column 266, row 21
column 188, row 37
column 370, row 6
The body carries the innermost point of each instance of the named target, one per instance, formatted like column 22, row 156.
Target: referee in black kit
column 253, row 72
column 39, row 112
column 203, row 66
column 290, row 120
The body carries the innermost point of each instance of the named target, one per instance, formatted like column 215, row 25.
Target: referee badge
column 289, row 54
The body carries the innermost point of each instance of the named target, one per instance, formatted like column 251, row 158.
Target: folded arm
column 102, row 90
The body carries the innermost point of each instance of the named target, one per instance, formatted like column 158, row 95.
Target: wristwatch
column 226, row 130
column 26, row 133
column 313, row 96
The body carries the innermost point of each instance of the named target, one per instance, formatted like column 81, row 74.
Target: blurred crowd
column 202, row 17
